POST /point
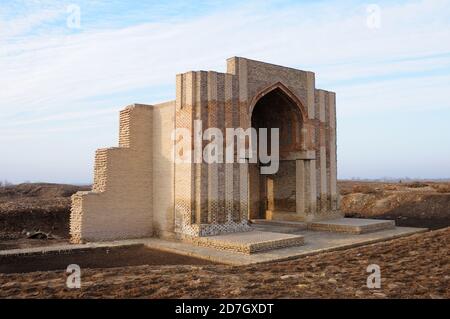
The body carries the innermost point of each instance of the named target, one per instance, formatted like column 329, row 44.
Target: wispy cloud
column 54, row 76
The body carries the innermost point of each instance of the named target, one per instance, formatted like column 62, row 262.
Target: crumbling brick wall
column 120, row 203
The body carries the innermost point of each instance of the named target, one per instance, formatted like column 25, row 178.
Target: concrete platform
column 352, row 225
column 250, row 242
column 67, row 247
column 315, row 242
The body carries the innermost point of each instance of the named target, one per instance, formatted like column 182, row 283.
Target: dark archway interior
column 276, row 192
column 277, row 110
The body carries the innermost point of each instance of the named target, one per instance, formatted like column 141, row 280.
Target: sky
column 68, row 67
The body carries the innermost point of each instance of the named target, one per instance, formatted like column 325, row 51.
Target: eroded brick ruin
column 139, row 191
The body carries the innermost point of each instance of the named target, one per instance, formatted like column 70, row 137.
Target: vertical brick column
column 201, row 168
column 184, row 172
column 229, row 167
column 325, row 205
column 213, row 169
column 221, row 101
column 333, row 157
column 300, row 196
column 310, row 165
column 310, row 169
column 244, row 122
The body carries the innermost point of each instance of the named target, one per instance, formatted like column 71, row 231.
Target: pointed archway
column 276, row 107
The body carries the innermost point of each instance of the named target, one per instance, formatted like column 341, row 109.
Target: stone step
column 267, row 222
column 352, row 225
column 250, row 242
column 276, row 229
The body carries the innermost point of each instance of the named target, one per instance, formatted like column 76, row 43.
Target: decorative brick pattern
column 249, row 242
column 140, row 191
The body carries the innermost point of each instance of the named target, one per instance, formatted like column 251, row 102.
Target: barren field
column 415, row 204
column 414, row 266
column 31, row 207
column 46, row 207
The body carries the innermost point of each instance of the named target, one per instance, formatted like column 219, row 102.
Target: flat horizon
column 65, row 79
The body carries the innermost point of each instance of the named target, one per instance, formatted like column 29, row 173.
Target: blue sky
column 62, row 87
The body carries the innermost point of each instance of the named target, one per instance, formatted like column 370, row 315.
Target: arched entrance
column 276, row 107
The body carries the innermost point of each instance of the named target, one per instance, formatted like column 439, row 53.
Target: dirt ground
column 413, row 204
column 417, row 266
column 95, row 258
column 46, row 207
column 411, row 267
column 30, row 207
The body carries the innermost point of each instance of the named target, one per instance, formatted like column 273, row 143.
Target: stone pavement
column 251, row 242
column 314, row 242
column 352, row 225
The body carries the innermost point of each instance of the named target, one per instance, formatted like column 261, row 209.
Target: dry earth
column 415, row 204
column 417, row 266
column 30, row 207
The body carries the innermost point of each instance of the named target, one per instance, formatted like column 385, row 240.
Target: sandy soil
column 411, row 267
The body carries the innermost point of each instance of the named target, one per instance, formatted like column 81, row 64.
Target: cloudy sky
column 63, row 79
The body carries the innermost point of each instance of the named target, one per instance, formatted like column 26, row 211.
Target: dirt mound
column 416, row 204
column 35, row 206
column 42, row 190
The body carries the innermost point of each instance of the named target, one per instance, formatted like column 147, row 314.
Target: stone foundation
column 250, row 242
column 352, row 225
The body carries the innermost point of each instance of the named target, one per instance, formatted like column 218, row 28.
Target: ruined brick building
column 140, row 191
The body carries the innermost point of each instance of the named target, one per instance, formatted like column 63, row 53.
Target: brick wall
column 139, row 191
column 209, row 198
column 120, row 203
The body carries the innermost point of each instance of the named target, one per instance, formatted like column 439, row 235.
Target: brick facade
column 140, row 191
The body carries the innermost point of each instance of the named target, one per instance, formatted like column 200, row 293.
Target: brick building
column 140, row 191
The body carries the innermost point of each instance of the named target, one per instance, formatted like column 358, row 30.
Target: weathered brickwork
column 139, row 190
column 120, row 203
column 250, row 242
column 203, row 203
